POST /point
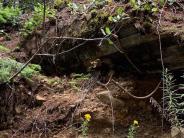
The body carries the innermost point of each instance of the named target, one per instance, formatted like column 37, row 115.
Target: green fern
column 9, row 15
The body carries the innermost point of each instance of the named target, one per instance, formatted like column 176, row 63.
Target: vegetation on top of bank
column 37, row 18
column 9, row 15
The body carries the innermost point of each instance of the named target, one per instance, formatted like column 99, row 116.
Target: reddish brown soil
column 52, row 118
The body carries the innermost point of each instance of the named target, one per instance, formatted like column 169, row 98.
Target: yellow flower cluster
column 135, row 123
column 87, row 117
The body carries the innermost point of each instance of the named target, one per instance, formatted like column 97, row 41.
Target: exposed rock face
column 138, row 40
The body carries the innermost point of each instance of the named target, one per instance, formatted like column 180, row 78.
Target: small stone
column 40, row 98
column 146, row 134
column 177, row 132
column 18, row 110
column 88, row 17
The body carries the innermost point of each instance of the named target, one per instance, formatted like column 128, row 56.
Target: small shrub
column 148, row 6
column 9, row 66
column 85, row 124
column 58, row 3
column 9, row 15
column 100, row 2
column 36, row 19
column 132, row 130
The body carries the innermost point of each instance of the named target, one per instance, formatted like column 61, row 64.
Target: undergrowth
column 9, row 15
column 9, row 66
column 37, row 18
column 76, row 79
column 85, row 124
column 133, row 129
column 172, row 99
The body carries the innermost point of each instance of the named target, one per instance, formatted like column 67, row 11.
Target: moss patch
column 9, row 66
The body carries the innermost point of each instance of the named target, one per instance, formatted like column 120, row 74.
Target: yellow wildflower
column 135, row 123
column 87, row 117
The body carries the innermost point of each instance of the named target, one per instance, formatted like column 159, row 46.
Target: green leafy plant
column 80, row 8
column 106, row 31
column 10, row 66
column 132, row 129
column 37, row 18
column 119, row 14
column 76, row 7
column 73, row 6
column 9, row 15
column 100, row 2
column 58, row 2
column 85, row 124
column 172, row 107
column 149, row 6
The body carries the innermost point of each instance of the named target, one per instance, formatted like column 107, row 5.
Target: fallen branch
column 124, row 90
column 137, row 97
column 110, row 78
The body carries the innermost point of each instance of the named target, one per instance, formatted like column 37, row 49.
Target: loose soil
column 54, row 106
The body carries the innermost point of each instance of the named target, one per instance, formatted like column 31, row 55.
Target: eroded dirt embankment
column 55, row 106
column 58, row 105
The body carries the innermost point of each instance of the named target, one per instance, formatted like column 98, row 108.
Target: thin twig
column 61, row 53
column 44, row 13
column 161, row 57
column 110, row 78
column 76, row 38
column 126, row 56
column 26, row 64
column 110, row 97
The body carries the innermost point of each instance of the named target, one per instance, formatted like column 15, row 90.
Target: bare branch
column 26, row 64
column 77, row 38
column 137, row 97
